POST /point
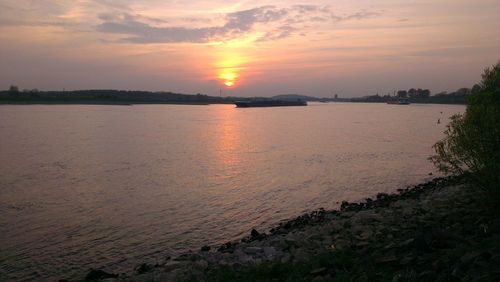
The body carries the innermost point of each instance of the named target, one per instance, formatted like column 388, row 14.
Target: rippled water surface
column 113, row 186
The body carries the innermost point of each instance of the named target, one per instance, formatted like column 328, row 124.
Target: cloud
column 130, row 26
column 273, row 22
column 236, row 24
column 460, row 51
column 362, row 15
column 279, row 33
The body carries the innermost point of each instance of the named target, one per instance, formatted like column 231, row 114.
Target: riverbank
column 437, row 231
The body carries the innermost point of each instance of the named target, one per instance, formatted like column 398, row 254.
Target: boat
column 269, row 103
column 400, row 101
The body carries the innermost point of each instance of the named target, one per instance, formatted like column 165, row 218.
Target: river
column 110, row 187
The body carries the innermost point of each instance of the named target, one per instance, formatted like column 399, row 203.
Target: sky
column 248, row 48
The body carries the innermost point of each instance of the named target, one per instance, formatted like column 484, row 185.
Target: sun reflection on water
column 228, row 137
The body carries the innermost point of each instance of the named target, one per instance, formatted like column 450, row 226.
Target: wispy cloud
column 272, row 22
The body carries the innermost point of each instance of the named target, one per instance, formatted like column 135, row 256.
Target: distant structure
column 336, row 96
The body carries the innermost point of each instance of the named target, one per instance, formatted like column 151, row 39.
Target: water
column 109, row 187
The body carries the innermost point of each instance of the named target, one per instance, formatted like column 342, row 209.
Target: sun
column 228, row 77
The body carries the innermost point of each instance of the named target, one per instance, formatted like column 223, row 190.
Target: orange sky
column 351, row 48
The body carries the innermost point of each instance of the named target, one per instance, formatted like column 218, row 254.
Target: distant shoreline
column 131, row 103
column 121, row 97
column 113, row 103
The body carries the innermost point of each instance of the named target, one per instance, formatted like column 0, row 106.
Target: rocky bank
column 441, row 230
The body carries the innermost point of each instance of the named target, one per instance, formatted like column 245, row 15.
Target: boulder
column 98, row 274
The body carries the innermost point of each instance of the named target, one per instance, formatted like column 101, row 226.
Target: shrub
column 472, row 143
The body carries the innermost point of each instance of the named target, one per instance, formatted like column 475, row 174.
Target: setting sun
column 228, row 77
column 230, row 65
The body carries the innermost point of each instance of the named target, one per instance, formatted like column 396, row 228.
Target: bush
column 472, row 143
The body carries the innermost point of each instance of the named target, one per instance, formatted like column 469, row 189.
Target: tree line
column 420, row 95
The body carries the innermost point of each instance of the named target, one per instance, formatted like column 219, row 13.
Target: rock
column 428, row 275
column 365, row 234
column 286, row 258
column 254, row 233
column 173, row 275
column 435, row 238
column 388, row 259
column 171, row 265
column 397, row 278
column 143, row 268
column 201, row 264
column 227, row 248
column 149, row 276
column 97, row 274
column 344, row 205
column 269, row 252
column 467, row 257
column 205, row 248
column 341, row 244
column 291, row 242
column 314, row 237
column 318, row 279
column 301, row 254
column 253, row 250
column 406, row 260
column 242, row 257
column 318, row 271
column 367, row 217
column 362, row 244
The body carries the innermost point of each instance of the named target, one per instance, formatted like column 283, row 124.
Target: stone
column 318, row 271
column 171, row 265
column 286, row 258
column 388, row 259
column 242, row 257
column 341, row 243
column 227, row 248
column 201, row 264
column 143, row 268
column 253, row 250
column 269, row 252
column 428, row 275
column 254, row 233
column 205, row 248
column 406, row 260
column 301, row 254
column 318, row 279
column 98, row 274
column 467, row 257
column 290, row 242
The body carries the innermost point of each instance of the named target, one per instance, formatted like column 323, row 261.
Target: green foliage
column 472, row 142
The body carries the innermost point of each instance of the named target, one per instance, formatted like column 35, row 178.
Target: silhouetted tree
column 472, row 142
column 13, row 89
column 412, row 92
column 476, row 88
column 402, row 94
